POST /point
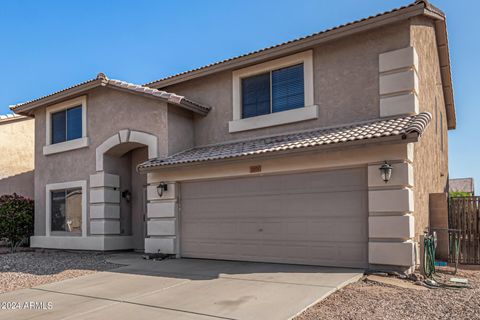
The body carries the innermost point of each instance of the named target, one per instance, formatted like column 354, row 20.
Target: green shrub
column 16, row 220
column 458, row 194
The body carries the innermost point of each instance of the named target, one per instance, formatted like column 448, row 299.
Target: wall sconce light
column 386, row 171
column 127, row 195
column 163, row 186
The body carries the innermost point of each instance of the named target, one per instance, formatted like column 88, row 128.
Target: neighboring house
column 17, row 150
column 462, row 185
column 270, row 156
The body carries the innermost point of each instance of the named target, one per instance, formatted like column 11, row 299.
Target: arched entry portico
column 117, row 191
column 124, row 141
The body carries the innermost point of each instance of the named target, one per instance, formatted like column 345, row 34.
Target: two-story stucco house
column 273, row 155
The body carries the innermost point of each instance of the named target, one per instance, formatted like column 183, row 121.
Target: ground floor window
column 67, row 210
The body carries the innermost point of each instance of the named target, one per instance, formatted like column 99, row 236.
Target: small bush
column 459, row 194
column 16, row 220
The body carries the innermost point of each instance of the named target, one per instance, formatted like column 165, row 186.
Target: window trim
column 305, row 57
column 82, row 142
column 48, row 204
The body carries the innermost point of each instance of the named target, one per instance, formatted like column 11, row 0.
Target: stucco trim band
column 274, row 119
column 100, row 243
column 66, row 146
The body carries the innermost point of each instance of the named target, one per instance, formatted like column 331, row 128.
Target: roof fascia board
column 296, row 46
column 445, row 68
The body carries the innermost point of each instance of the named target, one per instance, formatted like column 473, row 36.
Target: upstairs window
column 66, row 124
column 274, row 91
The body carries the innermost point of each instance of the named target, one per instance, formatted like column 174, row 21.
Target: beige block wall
column 430, row 162
column 21, row 184
column 17, row 146
column 346, row 86
column 17, row 138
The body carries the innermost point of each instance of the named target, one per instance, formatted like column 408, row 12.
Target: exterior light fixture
column 163, row 186
column 386, row 171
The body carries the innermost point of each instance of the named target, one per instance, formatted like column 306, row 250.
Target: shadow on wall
column 21, row 184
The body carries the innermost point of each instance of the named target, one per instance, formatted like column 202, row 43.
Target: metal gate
column 463, row 215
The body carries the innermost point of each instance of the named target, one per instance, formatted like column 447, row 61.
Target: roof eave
column 407, row 138
column 26, row 109
column 57, row 97
column 441, row 35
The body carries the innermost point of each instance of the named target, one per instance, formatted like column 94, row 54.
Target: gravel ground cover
column 28, row 269
column 371, row 300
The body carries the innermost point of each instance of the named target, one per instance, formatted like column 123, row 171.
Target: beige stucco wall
column 180, row 130
column 108, row 111
column 17, row 156
column 139, row 183
column 16, row 143
column 345, row 86
column 431, row 163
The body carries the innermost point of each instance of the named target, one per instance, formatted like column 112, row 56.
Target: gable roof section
column 372, row 131
column 419, row 7
column 102, row 81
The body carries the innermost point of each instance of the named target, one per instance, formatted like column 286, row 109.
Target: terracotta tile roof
column 170, row 97
column 400, row 126
column 102, row 80
column 462, row 185
column 19, row 105
column 425, row 3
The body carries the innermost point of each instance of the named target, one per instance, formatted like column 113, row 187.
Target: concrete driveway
column 182, row 289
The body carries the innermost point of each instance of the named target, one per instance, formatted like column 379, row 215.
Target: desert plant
column 16, row 220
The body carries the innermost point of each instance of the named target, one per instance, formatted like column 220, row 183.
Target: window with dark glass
column 274, row 91
column 67, row 124
column 66, row 206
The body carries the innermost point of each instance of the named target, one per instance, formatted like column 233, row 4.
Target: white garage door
column 317, row 218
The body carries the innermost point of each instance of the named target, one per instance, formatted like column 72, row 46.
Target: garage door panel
column 332, row 204
column 340, row 230
column 310, row 218
column 347, row 179
column 285, row 252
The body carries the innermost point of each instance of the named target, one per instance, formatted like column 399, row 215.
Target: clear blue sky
column 48, row 45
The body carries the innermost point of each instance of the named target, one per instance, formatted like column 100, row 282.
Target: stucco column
column 390, row 221
column 104, row 204
column 162, row 224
